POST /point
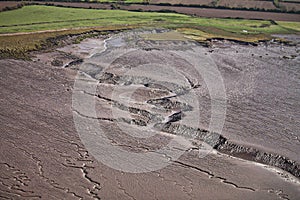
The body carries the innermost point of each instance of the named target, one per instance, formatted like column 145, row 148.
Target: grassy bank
column 45, row 18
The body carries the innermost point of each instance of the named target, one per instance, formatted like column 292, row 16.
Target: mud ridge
column 114, row 79
column 252, row 154
column 223, row 145
column 215, row 140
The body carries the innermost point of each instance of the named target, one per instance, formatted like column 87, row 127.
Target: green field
column 37, row 18
column 43, row 18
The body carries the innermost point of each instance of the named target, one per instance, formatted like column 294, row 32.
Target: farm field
column 284, row 6
column 185, row 2
column 195, row 11
column 266, row 5
column 9, row 5
column 258, row 5
column 290, row 6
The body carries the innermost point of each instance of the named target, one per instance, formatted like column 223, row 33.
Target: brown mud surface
column 44, row 157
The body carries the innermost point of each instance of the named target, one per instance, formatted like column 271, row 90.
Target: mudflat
column 146, row 94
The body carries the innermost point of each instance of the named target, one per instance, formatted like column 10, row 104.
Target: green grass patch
column 37, row 18
column 204, row 33
column 290, row 25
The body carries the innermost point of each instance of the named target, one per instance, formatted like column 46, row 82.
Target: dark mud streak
column 192, row 84
column 137, row 122
column 211, row 175
column 74, row 63
column 90, row 117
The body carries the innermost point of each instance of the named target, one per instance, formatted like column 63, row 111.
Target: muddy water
column 261, row 85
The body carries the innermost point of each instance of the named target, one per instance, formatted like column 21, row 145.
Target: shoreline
column 280, row 39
